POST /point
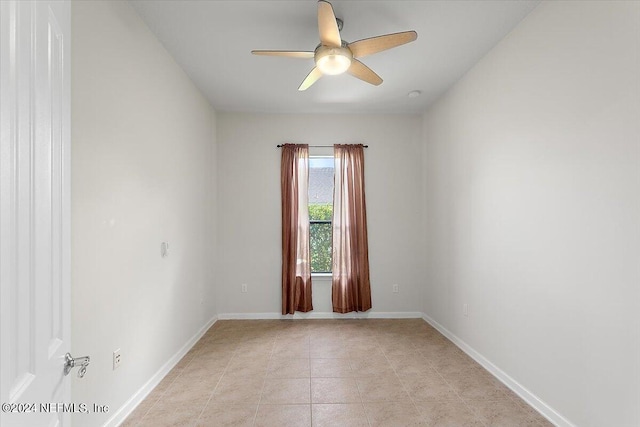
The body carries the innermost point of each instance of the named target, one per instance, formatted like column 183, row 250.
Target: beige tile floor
column 374, row 372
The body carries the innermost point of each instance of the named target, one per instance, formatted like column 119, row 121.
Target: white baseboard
column 322, row 315
column 547, row 411
column 125, row 410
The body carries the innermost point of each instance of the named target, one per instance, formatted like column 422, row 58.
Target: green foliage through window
column 320, row 236
column 321, row 211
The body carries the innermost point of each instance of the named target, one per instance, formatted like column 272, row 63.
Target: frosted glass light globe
column 333, row 60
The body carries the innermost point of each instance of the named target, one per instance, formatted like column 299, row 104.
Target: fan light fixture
column 333, row 60
column 334, row 56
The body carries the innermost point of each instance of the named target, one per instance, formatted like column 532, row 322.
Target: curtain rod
column 280, row 145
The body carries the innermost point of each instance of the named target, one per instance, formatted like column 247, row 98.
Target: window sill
column 322, row 276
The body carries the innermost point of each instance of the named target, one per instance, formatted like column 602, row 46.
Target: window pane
column 321, row 181
column 321, row 246
column 320, row 213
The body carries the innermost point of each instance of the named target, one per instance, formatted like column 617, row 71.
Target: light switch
column 164, row 249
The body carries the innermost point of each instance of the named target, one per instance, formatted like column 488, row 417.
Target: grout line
column 360, row 392
column 404, row 387
column 264, row 380
column 475, row 414
column 224, row 371
column 156, row 400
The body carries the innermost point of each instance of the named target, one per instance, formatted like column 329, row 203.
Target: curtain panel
column 296, row 264
column 351, row 290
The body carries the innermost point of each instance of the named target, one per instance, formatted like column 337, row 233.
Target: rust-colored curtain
column 296, row 264
column 351, row 290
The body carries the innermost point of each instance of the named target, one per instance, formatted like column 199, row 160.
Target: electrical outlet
column 396, row 288
column 465, row 309
column 244, row 288
column 117, row 359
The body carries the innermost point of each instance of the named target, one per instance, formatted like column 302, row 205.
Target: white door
column 34, row 212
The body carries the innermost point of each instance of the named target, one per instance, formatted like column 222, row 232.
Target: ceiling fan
column 335, row 56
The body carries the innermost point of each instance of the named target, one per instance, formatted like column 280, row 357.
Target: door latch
column 70, row 362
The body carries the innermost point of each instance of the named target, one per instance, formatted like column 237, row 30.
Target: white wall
column 533, row 198
column 143, row 141
column 249, row 206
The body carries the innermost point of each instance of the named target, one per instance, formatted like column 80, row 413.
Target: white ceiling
column 212, row 41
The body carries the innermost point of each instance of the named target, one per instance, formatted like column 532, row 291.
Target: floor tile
column 222, row 414
column 393, row 414
column 375, row 365
column 254, row 350
column 281, row 372
column 291, row 348
column 414, row 364
column 382, row 389
column 238, row 390
column 365, row 348
column 329, row 351
column 283, row 415
column 448, row 413
column 343, row 415
column 427, row 388
column 288, row 368
column 247, row 367
column 183, row 391
column 173, row 414
column 286, row 391
column 334, row 390
column 473, row 388
column 131, row 422
column 331, row 368
column 501, row 413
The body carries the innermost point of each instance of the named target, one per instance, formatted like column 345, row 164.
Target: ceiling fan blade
column 287, row 53
column 373, row 45
column 311, row 78
column 327, row 25
column 361, row 71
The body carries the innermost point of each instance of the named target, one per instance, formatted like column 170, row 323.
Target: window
column 321, row 213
